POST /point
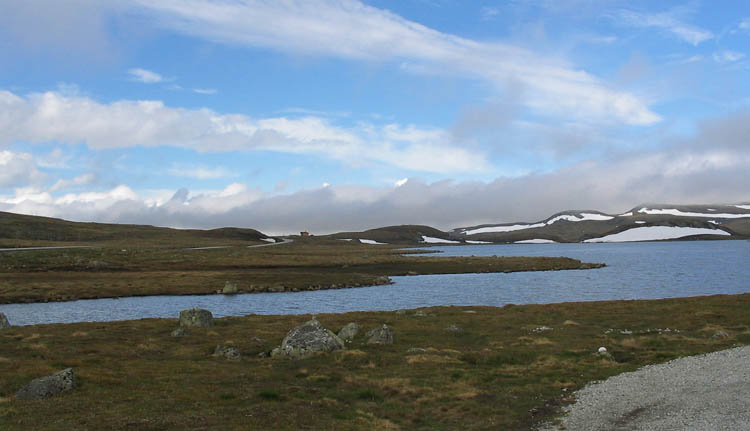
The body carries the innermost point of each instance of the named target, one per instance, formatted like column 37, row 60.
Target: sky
column 327, row 116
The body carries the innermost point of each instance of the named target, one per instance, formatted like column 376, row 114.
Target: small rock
column 4, row 324
column 719, row 335
column 308, row 339
column 453, row 328
column 276, row 289
column 196, row 318
column 229, row 288
column 602, row 350
column 383, row 280
column 179, row 332
column 541, row 329
column 416, row 350
column 348, row 332
column 382, row 335
column 48, row 386
column 227, row 352
column 420, row 313
column 412, row 273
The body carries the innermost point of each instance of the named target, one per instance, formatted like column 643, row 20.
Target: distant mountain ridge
column 643, row 222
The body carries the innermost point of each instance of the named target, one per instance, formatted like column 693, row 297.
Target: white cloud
column 77, row 181
column 728, row 56
column 206, row 91
column 52, row 117
column 744, row 25
column 669, row 22
column 18, row 169
column 353, row 30
column 199, row 172
column 489, row 13
column 145, row 76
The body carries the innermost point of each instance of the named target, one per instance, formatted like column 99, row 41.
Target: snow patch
column 371, row 241
column 433, row 240
column 676, row 212
column 652, row 233
column 535, row 241
column 477, row 242
column 628, row 214
column 743, row 207
column 502, row 228
column 268, row 239
column 640, row 221
column 345, row 239
column 583, row 217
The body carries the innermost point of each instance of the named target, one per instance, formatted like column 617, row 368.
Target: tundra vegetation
column 449, row 367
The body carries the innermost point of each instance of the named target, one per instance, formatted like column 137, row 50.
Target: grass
column 500, row 371
column 171, row 269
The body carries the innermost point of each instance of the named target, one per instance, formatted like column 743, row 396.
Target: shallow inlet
column 634, row 271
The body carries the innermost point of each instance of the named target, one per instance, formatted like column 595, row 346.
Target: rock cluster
column 307, row 339
column 4, row 324
column 48, row 386
column 348, row 332
column 196, row 318
column 229, row 288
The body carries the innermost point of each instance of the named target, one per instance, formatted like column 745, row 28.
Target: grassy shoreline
column 505, row 368
column 108, row 272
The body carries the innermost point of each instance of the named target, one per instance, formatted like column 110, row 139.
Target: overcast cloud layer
column 345, row 115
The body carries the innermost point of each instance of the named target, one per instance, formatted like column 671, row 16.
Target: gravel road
column 706, row 392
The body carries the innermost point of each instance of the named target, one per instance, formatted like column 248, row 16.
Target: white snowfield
column 345, row 239
column 583, row 217
column 477, row 242
column 653, row 233
column 433, row 240
column 511, row 228
column 535, row 241
column 676, row 212
column 502, row 228
column 743, row 207
column 268, row 239
column 371, row 241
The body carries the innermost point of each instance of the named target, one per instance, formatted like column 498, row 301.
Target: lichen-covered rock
column 179, row 332
column 719, row 335
column 308, row 339
column 4, row 324
column 229, row 288
column 48, row 386
column 227, row 352
column 348, row 332
column 196, row 318
column 382, row 335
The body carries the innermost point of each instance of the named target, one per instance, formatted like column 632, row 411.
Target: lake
column 634, row 271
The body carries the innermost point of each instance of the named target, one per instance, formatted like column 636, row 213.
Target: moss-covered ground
column 495, row 368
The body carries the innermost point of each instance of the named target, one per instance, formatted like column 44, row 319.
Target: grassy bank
column 127, row 270
column 495, row 368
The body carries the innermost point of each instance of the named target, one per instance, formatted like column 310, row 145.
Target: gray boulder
column 196, row 318
column 306, row 340
column 348, row 332
column 48, row 386
column 4, row 324
column 229, row 288
column 720, row 335
column 382, row 335
column 227, row 352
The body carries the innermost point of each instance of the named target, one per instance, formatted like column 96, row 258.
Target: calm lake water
column 634, row 271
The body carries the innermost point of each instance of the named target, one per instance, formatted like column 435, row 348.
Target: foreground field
column 452, row 368
column 108, row 271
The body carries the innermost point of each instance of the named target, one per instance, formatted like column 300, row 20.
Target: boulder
column 308, row 339
column 48, row 386
column 227, row 352
column 720, row 335
column 4, row 324
column 196, row 318
column 229, row 288
column 348, row 332
column 382, row 335
column 179, row 332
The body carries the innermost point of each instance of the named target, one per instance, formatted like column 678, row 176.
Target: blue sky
column 335, row 115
